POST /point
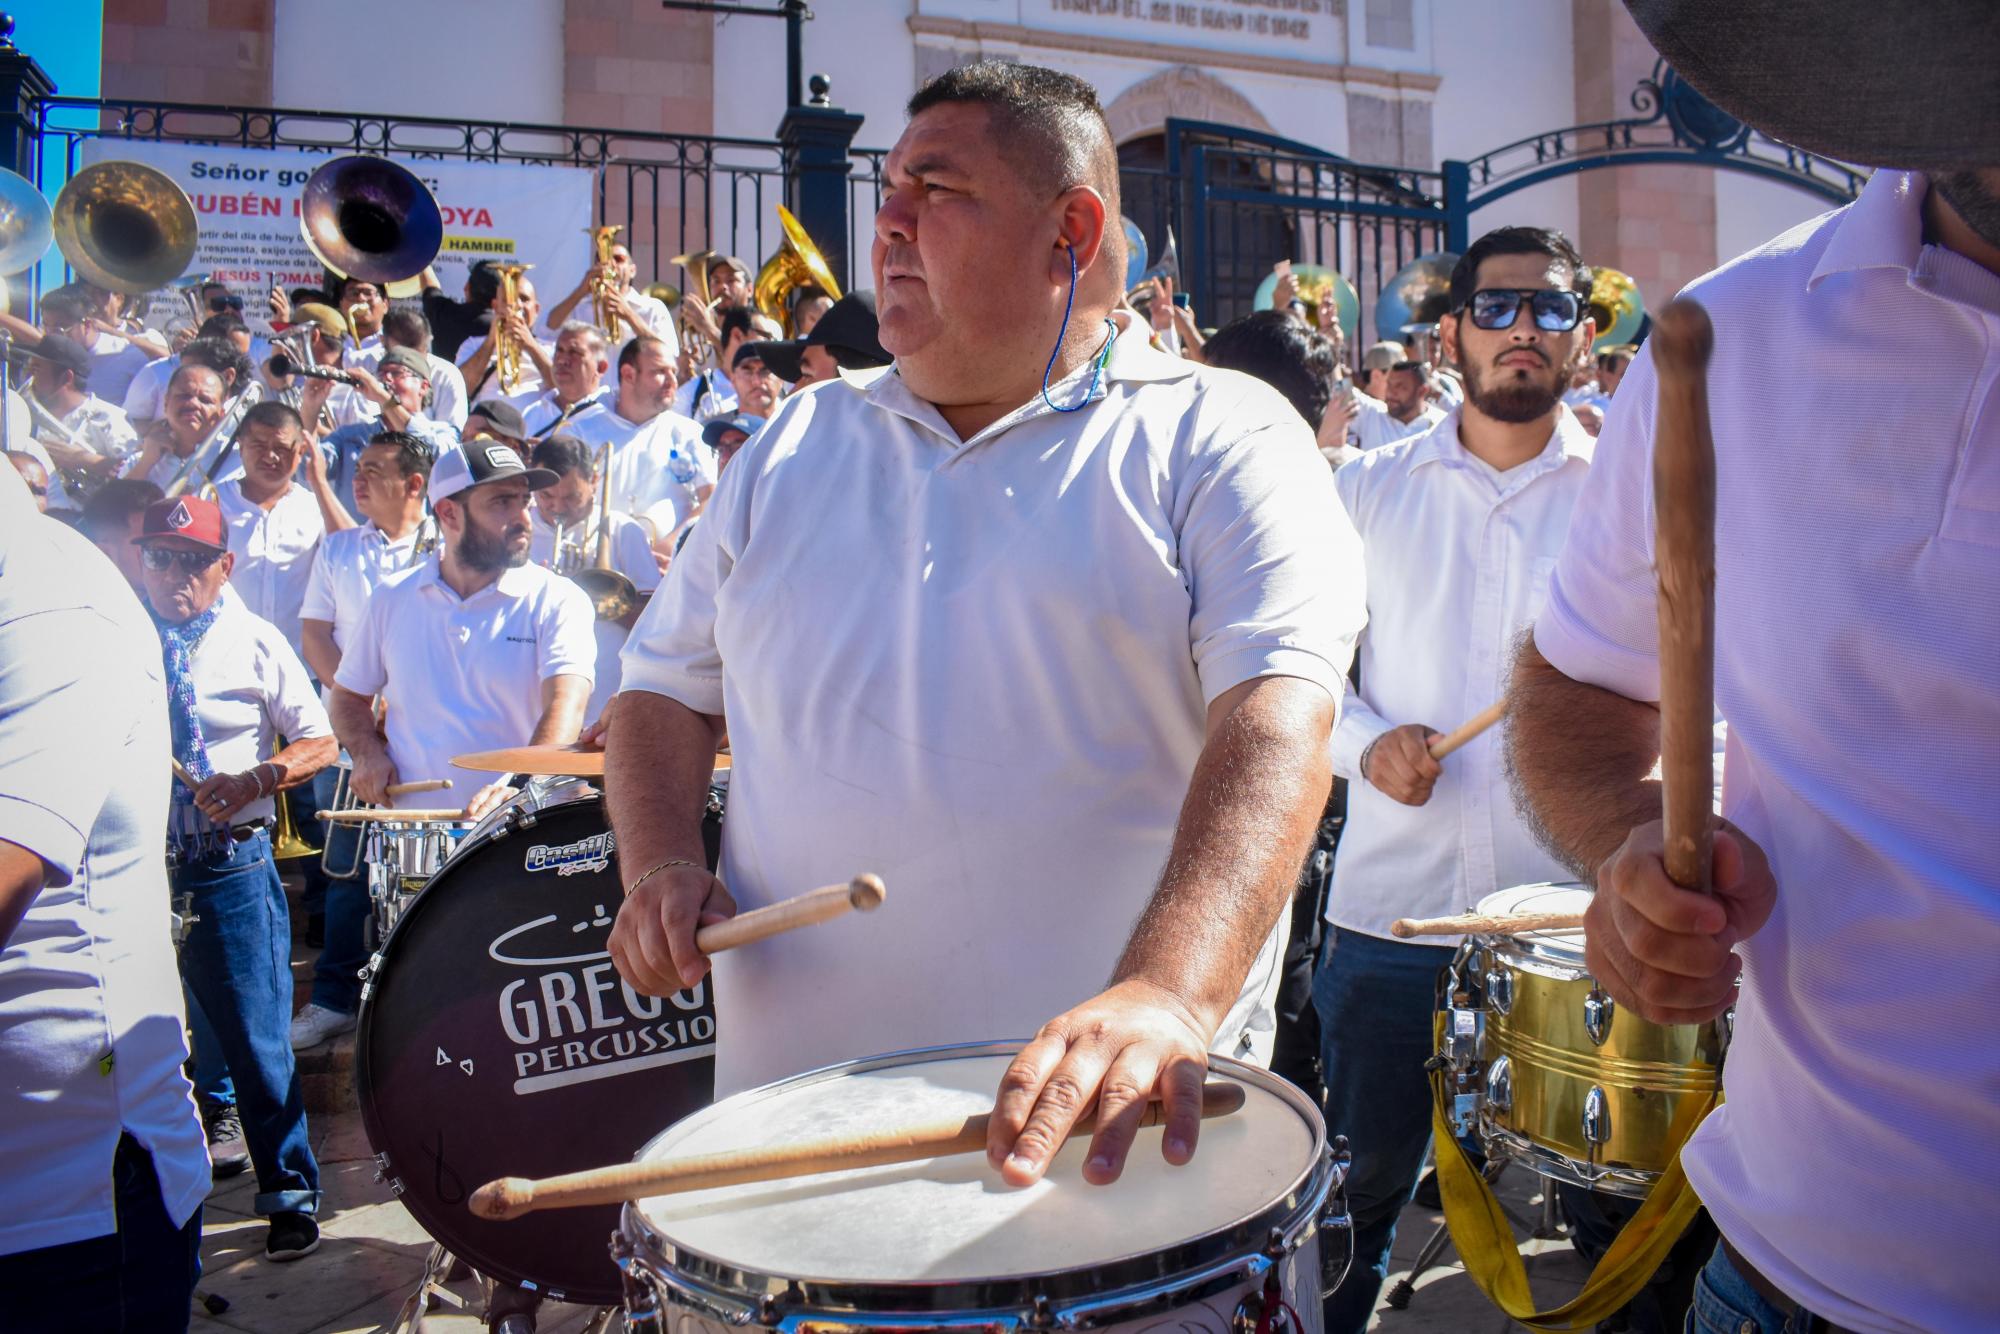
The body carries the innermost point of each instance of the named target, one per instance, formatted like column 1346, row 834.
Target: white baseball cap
column 479, row 462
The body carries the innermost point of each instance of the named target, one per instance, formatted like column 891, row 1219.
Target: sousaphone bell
column 798, row 263
column 125, row 227
column 1418, row 294
column 370, row 218
column 1616, row 306
column 26, row 229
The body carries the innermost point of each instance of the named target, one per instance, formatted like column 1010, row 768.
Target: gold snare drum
column 1546, row 1069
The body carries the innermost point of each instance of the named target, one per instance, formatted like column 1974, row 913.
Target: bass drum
column 497, row 1039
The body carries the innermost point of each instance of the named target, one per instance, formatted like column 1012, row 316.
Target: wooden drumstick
column 863, row 893
column 1684, row 556
column 418, row 785
column 180, row 772
column 1485, row 924
column 1441, row 746
column 511, row 1197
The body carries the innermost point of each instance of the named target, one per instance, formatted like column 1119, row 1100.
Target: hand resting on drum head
column 1666, row 952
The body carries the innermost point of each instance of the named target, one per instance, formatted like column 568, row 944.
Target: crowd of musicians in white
column 378, row 585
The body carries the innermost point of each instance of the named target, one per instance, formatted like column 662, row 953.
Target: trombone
column 611, row 593
column 81, row 483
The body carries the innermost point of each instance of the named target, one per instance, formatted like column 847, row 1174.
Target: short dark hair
column 64, row 306
column 629, row 354
column 734, row 320
column 1515, row 241
column 271, row 412
column 196, row 364
column 1048, row 125
column 217, row 353
column 414, row 455
column 221, row 325
column 1417, row 368
column 482, row 284
column 299, row 296
column 407, row 327
column 565, row 454
column 1296, row 361
column 108, row 513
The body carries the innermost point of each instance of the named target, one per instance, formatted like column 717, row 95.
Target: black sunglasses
column 1498, row 308
column 159, row 559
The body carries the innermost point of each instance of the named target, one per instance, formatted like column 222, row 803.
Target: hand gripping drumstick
column 510, row 1197
column 1485, row 924
column 864, row 893
column 1684, row 556
column 1441, row 746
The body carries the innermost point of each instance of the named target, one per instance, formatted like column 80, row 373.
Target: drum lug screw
column 1500, row 1084
column 1500, row 991
column 1596, row 1116
column 1043, row 1316
column 1598, row 1011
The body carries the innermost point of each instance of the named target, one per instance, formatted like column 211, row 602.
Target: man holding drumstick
column 915, row 678
column 1854, row 1171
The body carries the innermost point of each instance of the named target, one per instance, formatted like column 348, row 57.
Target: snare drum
column 403, row 855
column 1546, row 1069
column 1242, row 1229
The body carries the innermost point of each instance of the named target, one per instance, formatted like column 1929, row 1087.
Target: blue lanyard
column 1069, row 303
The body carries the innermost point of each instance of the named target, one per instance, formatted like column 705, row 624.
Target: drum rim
column 737, row 1293
column 1543, row 949
column 372, row 1128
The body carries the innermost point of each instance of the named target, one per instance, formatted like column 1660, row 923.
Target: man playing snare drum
column 1069, row 621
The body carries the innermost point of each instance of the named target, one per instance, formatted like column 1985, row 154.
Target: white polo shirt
column 1857, row 660
column 709, row 394
column 1458, row 558
column 91, row 1027
column 981, row 669
column 251, row 687
column 658, row 467
column 274, row 552
column 347, row 569
column 464, row 674
column 540, row 411
column 653, row 314
column 631, row 556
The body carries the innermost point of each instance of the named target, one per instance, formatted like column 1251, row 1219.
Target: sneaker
column 227, row 1154
column 316, row 1024
column 293, row 1236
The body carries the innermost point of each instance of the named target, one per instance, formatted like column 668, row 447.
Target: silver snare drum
column 403, row 855
column 1256, row 1223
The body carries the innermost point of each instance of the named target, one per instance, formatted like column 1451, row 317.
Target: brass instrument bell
column 370, row 218
column 1617, row 308
column 1317, row 285
column 506, row 350
column 797, row 263
column 1419, row 293
column 697, row 263
column 125, row 227
column 611, row 593
column 27, row 226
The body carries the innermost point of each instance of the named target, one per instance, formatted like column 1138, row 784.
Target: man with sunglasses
column 1460, row 526
column 233, row 687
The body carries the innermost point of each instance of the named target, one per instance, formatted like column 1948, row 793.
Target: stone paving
column 372, row 1253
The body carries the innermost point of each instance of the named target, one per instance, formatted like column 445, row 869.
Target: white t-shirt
column 146, row 397
column 274, row 552
column 114, row 361
column 653, row 312
column 464, row 674
column 91, row 1027
column 631, row 556
column 981, row 669
column 540, row 410
column 251, row 687
column 1857, row 661
column 658, row 467
column 1373, row 427
column 367, row 354
column 347, row 569
column 1458, row 561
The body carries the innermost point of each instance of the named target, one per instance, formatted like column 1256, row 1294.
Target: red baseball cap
column 187, row 517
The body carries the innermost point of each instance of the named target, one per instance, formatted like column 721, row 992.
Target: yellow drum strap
column 1486, row 1244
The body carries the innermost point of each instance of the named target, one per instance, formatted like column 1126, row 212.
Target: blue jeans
column 137, row 1280
column 1376, row 999
column 337, row 974
column 305, row 803
column 1725, row 1303
column 213, row 1087
column 237, row 962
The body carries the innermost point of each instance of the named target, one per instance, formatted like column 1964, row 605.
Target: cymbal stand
column 1545, row 1228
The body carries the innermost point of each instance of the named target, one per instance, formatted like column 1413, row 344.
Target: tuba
column 1419, row 294
column 125, row 227
column 370, row 218
column 1616, row 306
column 798, row 263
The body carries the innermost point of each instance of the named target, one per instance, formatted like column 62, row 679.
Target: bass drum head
column 497, row 1039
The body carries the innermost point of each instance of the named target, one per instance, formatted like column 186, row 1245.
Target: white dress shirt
column 91, row 1027
column 146, row 397
column 983, row 672
column 94, row 425
column 541, row 411
column 631, row 556
column 251, row 687
column 464, row 674
column 658, row 467
column 653, row 314
column 1458, row 561
column 447, row 403
column 1857, row 661
column 708, row 395
column 1373, row 426
column 274, row 552
column 114, row 361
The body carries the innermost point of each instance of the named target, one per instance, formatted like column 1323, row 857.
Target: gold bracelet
column 677, row 861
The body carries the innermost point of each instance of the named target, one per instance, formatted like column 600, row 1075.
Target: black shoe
column 1427, row 1191
column 227, row 1154
column 316, row 931
column 293, row 1236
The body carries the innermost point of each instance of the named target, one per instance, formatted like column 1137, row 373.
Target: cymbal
column 570, row 760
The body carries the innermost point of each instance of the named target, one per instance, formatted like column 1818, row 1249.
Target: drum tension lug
column 1043, row 1316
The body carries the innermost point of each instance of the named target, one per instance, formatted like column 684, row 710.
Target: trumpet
column 506, row 349
column 606, row 285
column 696, row 263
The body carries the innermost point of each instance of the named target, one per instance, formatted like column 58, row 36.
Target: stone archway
column 1184, row 92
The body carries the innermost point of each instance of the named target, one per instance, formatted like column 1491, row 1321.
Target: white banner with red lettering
column 246, row 202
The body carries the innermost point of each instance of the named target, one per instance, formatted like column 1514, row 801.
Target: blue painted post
column 816, row 139
column 1457, row 206
column 23, row 84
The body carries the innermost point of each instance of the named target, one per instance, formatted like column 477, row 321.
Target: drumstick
column 418, row 785
column 180, row 772
column 1684, row 556
column 510, row 1197
column 1485, row 924
column 362, row 815
column 1441, row 746
column 864, row 892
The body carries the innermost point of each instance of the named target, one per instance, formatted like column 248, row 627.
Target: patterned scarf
column 187, row 826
